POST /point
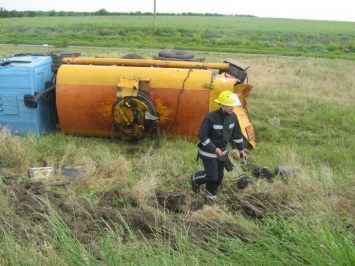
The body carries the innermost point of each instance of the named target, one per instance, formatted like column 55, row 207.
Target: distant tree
column 33, row 13
column 4, row 13
column 102, row 12
column 52, row 13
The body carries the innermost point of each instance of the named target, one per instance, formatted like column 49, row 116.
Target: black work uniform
column 217, row 130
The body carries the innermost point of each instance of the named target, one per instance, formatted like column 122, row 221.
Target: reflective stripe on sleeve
column 231, row 125
column 238, row 140
column 206, row 142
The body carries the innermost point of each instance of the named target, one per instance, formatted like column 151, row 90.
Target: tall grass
column 271, row 241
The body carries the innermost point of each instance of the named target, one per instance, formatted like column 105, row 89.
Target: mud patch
column 34, row 202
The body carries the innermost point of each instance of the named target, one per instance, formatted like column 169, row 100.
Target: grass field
column 134, row 207
column 225, row 34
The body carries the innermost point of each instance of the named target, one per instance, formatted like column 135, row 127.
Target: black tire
column 175, row 54
column 132, row 56
column 195, row 59
column 237, row 72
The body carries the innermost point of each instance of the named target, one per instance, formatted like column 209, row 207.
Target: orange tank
column 127, row 98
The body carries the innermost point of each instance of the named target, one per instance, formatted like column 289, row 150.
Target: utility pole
column 155, row 16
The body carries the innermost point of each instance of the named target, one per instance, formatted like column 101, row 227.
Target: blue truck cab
column 27, row 94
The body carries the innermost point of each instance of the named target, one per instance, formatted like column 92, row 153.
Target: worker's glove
column 228, row 164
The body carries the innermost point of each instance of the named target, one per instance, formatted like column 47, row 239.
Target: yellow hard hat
column 228, row 98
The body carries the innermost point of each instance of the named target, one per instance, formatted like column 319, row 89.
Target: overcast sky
column 339, row 10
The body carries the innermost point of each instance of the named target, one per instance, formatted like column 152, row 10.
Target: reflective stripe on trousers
column 212, row 176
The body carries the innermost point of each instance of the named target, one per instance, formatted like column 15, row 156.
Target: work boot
column 210, row 197
column 194, row 186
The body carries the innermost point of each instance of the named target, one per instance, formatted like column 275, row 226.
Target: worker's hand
column 242, row 154
column 219, row 152
column 243, row 157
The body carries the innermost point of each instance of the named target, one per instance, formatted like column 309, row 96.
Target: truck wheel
column 237, row 72
column 175, row 54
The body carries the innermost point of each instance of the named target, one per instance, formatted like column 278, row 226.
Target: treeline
column 102, row 12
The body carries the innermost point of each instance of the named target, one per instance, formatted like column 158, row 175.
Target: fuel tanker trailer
column 131, row 98
column 117, row 97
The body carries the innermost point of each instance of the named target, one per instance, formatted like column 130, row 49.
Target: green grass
column 225, row 34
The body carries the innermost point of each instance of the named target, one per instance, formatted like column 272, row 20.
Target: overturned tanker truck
column 120, row 98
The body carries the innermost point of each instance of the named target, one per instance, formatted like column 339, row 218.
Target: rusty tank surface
column 132, row 98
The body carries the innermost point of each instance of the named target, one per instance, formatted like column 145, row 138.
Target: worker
column 217, row 129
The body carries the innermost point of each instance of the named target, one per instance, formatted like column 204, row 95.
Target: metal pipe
column 143, row 63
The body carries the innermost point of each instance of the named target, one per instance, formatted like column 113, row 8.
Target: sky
column 336, row 10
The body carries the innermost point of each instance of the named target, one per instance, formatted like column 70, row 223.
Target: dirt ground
column 30, row 200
